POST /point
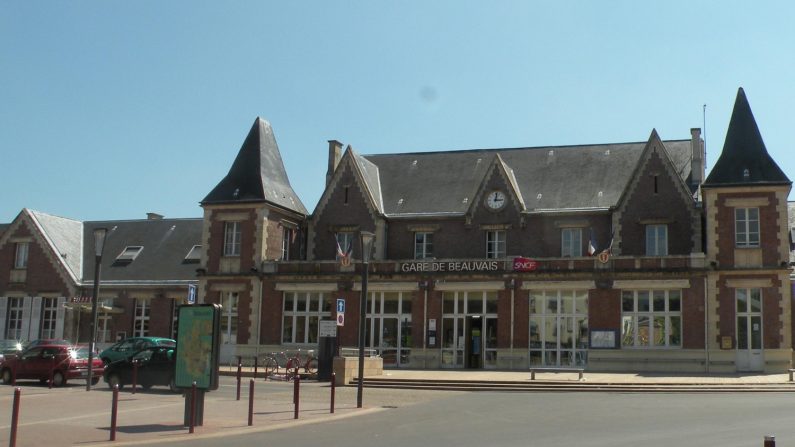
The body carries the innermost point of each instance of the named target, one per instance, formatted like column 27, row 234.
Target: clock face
column 495, row 200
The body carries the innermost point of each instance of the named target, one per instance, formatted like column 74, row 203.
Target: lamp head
column 99, row 240
column 368, row 239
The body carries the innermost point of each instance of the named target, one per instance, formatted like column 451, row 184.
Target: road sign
column 191, row 294
column 327, row 328
column 340, row 305
column 340, row 319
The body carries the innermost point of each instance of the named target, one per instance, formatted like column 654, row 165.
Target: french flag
column 591, row 244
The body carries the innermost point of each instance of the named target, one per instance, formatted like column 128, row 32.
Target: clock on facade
column 495, row 200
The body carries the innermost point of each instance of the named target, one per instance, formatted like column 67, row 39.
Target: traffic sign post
column 191, row 294
column 340, row 312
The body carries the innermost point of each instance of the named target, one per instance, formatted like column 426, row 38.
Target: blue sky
column 109, row 110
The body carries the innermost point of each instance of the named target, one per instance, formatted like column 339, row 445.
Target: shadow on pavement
column 148, row 428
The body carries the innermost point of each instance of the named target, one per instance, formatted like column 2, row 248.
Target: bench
column 579, row 371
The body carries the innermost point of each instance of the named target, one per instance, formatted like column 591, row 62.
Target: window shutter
column 35, row 319
column 26, row 301
column 59, row 317
column 3, row 312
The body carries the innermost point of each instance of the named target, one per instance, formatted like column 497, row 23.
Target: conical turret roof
column 744, row 159
column 257, row 174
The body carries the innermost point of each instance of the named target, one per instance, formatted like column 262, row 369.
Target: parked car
column 61, row 362
column 130, row 346
column 156, row 366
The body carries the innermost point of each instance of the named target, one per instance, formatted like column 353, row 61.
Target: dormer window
column 194, row 255
column 129, row 254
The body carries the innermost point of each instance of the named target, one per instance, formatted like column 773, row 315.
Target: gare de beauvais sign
column 519, row 264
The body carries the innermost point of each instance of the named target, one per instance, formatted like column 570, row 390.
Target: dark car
column 130, row 346
column 156, row 366
column 42, row 362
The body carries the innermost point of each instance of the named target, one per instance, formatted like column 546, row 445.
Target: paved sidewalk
column 70, row 415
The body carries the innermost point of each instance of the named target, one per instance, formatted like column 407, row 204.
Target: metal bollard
column 770, row 441
column 52, row 371
column 333, row 387
column 251, row 402
column 12, row 442
column 135, row 376
column 114, row 412
column 296, row 391
column 239, row 376
column 255, row 366
column 192, row 407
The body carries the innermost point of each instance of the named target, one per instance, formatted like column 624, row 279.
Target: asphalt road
column 551, row 419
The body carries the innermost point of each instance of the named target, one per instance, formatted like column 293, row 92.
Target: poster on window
column 604, row 339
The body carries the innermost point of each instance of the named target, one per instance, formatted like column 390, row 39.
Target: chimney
column 153, row 216
column 334, row 156
column 697, row 162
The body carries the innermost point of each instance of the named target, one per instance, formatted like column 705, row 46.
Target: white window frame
column 657, row 240
column 746, row 227
column 14, row 318
column 143, row 308
column 397, row 351
column 495, row 244
column 21, row 257
column 287, row 236
column 423, row 244
column 570, row 242
column 129, row 253
column 301, row 313
column 232, row 238
column 639, row 317
column 344, row 240
column 49, row 318
column 194, row 254
column 229, row 317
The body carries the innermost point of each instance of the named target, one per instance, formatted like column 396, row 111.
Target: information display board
column 198, row 346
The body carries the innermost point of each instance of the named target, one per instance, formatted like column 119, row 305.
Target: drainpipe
column 706, row 328
column 425, row 326
column 513, row 293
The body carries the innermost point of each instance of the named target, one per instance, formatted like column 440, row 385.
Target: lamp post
column 99, row 245
column 367, row 248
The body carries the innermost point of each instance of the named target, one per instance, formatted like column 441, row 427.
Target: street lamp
column 99, row 245
column 367, row 248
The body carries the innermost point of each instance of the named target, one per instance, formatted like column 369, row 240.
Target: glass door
column 388, row 326
column 749, row 330
column 469, row 329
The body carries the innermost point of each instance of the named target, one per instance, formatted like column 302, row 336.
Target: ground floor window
column 301, row 313
column 14, row 318
column 389, row 326
column 49, row 316
column 229, row 304
column 558, row 328
column 651, row 318
column 141, row 323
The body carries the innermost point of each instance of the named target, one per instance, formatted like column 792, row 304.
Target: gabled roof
column 165, row 244
column 257, row 174
column 548, row 178
column 744, row 159
column 370, row 176
column 64, row 237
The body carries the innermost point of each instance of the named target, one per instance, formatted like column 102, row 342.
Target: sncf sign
column 524, row 264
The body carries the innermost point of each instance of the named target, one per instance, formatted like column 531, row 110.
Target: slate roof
column 64, row 237
column 257, row 174
column 165, row 244
column 744, row 150
column 549, row 178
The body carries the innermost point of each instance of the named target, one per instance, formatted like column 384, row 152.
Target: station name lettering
column 461, row 266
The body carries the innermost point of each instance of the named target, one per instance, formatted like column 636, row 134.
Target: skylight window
column 194, row 255
column 128, row 255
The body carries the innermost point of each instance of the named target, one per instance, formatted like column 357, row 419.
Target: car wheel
column 172, row 385
column 58, row 379
column 114, row 380
column 7, row 379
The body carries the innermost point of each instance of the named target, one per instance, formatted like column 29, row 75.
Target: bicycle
column 307, row 362
column 275, row 362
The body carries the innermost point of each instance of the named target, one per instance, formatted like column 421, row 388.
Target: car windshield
column 167, row 343
column 80, row 352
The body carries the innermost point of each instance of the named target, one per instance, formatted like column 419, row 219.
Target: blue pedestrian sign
column 340, row 305
column 191, row 294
